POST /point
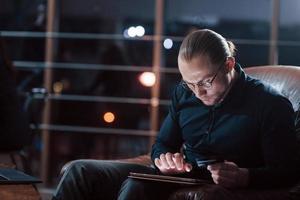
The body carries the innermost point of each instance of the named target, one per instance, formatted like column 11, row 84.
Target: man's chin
column 208, row 102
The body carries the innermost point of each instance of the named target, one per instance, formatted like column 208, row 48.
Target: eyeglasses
column 204, row 84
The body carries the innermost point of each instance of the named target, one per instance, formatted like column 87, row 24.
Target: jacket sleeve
column 279, row 146
column 169, row 138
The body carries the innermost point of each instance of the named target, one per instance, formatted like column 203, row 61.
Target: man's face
column 201, row 69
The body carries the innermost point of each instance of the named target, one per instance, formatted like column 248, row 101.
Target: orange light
column 109, row 117
column 147, row 79
column 58, row 87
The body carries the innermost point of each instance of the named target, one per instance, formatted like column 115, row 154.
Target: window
column 98, row 49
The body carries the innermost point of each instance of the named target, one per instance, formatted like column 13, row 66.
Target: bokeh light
column 147, row 79
column 109, row 117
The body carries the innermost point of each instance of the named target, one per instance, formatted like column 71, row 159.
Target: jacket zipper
column 211, row 121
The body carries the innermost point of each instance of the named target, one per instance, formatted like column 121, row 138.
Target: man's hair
column 208, row 43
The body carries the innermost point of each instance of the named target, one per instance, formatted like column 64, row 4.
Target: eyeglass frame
column 201, row 83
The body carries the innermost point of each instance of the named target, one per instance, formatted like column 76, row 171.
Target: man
column 217, row 112
column 220, row 111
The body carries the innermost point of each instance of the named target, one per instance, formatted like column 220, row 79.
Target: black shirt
column 252, row 127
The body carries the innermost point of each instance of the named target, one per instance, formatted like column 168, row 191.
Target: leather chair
column 285, row 79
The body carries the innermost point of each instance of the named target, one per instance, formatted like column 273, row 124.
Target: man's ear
column 229, row 64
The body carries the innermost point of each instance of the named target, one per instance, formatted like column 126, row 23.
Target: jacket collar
column 236, row 94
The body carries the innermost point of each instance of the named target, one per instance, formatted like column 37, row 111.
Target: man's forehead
column 198, row 62
column 196, row 69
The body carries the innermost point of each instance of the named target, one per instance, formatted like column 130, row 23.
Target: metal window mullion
column 157, row 57
column 107, row 99
column 84, row 66
column 92, row 130
column 273, row 49
column 50, row 48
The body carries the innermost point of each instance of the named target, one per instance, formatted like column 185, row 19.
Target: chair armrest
column 295, row 192
column 212, row 192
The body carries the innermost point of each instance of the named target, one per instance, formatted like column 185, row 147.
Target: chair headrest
column 285, row 79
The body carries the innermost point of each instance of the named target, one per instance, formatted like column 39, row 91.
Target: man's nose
column 199, row 91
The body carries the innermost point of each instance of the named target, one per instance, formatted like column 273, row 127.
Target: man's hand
column 172, row 164
column 229, row 175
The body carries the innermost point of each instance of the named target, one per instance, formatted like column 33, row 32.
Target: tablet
column 13, row 176
column 168, row 179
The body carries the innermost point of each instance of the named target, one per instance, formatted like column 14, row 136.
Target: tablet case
column 13, row 176
column 168, row 179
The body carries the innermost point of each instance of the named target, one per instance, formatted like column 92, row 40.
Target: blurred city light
column 168, row 43
column 147, row 79
column 125, row 33
column 134, row 31
column 140, row 31
column 109, row 117
column 58, row 87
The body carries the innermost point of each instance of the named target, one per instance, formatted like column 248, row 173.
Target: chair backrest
column 285, row 79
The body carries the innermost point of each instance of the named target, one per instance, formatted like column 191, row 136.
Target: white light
column 168, row 43
column 147, row 79
column 132, row 31
column 140, row 31
column 125, row 33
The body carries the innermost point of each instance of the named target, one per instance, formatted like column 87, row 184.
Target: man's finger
column 157, row 163
column 188, row 167
column 226, row 182
column 178, row 160
column 224, row 173
column 221, row 166
column 170, row 160
column 163, row 161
